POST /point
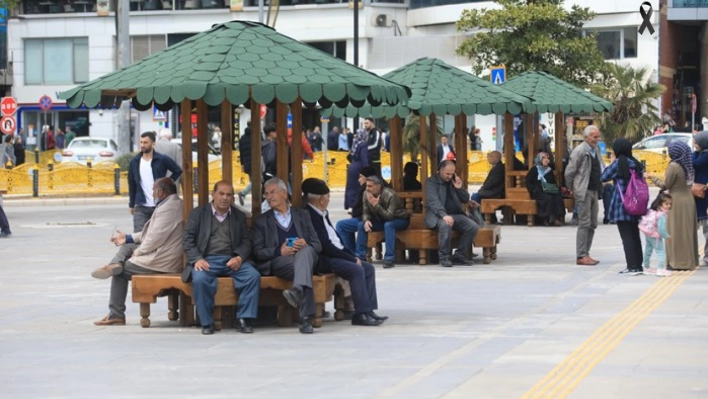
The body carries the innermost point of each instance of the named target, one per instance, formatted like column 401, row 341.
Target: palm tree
column 633, row 96
column 411, row 135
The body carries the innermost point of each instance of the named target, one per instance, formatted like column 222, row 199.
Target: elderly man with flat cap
column 336, row 257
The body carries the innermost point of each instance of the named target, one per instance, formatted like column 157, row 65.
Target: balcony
column 687, row 10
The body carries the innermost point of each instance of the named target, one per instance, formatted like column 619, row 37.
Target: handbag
column 698, row 190
column 549, row 188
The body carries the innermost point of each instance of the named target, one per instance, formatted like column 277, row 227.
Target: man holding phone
column 445, row 197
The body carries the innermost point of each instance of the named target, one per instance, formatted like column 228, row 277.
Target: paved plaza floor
column 529, row 325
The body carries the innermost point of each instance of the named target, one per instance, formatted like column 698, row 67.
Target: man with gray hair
column 166, row 147
column 383, row 211
column 582, row 178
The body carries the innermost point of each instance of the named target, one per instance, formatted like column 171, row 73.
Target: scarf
column 680, row 153
column 542, row 170
column 362, row 137
column 701, row 138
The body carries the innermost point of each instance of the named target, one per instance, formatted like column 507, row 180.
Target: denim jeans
column 346, row 229
column 389, row 228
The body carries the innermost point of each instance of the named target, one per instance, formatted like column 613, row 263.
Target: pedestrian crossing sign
column 497, row 74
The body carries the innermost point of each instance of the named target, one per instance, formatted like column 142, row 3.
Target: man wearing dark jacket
column 244, row 150
column 347, row 228
column 217, row 243
column 145, row 169
column 360, row 274
column 373, row 145
column 493, row 186
column 269, row 153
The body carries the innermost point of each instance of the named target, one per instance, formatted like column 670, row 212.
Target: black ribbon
column 646, row 17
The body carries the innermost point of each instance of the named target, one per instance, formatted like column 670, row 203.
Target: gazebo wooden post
column 281, row 125
column 227, row 140
column 560, row 146
column 256, row 156
column 461, row 147
column 202, row 153
column 530, row 138
column 423, row 151
column 187, row 171
column 296, row 149
column 509, row 150
column 433, row 143
column 395, row 130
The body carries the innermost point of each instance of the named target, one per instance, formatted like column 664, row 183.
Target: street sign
column 8, row 124
column 497, row 74
column 8, row 106
column 45, row 103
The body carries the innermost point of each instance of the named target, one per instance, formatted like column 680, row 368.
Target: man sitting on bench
column 217, row 243
column 444, row 210
column 286, row 245
column 361, row 275
column 383, row 210
column 156, row 249
column 493, row 186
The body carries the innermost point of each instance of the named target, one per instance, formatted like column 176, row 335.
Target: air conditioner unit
column 382, row 20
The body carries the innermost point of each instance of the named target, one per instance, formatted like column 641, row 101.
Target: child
column 653, row 225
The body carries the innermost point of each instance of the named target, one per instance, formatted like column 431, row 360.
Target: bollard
column 36, row 156
column 88, row 163
column 116, row 179
column 35, row 182
column 195, row 180
column 50, row 166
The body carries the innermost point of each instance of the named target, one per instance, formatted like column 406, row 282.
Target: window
column 56, row 61
column 144, row 46
column 616, row 44
column 335, row 49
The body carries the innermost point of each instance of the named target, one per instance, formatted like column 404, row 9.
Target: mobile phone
column 290, row 241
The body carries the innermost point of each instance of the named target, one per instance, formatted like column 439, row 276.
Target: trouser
column 607, row 192
column 587, row 223
column 299, row 269
column 247, row 282
column 4, row 224
column 704, row 225
column 247, row 190
column 632, row 243
column 376, row 165
column 141, row 215
column 476, row 198
column 119, row 287
column 655, row 244
column 389, row 227
column 464, row 225
column 362, row 281
column 346, row 229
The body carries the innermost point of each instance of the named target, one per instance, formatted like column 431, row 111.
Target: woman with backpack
column 700, row 165
column 621, row 171
column 653, row 225
column 682, row 247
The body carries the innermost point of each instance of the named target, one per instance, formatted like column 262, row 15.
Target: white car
column 97, row 149
column 660, row 142
column 213, row 155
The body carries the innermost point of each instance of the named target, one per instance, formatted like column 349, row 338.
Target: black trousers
column 629, row 232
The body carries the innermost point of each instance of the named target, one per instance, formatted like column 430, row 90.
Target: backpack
column 649, row 225
column 636, row 197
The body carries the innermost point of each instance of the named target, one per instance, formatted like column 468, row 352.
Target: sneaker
column 104, row 272
column 445, row 261
column 241, row 198
column 460, row 259
column 650, row 270
column 631, row 272
column 5, row 234
column 663, row 273
column 388, row 264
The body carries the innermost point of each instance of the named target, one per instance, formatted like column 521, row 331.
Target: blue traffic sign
column 497, row 74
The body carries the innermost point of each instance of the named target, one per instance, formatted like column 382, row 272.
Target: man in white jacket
column 156, row 249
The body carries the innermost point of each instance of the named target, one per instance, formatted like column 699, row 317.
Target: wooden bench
column 147, row 288
column 418, row 236
column 519, row 206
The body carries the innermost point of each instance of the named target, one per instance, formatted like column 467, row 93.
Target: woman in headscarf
column 682, row 247
column 700, row 166
column 549, row 206
column 620, row 171
column 358, row 158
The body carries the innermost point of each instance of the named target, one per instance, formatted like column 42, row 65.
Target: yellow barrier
column 74, row 178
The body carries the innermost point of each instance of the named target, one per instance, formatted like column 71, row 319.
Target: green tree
column 411, row 135
column 633, row 96
column 532, row 35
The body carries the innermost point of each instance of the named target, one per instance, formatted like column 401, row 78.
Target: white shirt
column 331, row 233
column 147, row 181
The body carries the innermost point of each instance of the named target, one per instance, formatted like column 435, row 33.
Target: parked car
column 97, row 149
column 660, row 142
column 213, row 154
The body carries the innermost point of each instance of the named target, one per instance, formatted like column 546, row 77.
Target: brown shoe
column 594, row 260
column 585, row 261
column 107, row 321
column 104, row 272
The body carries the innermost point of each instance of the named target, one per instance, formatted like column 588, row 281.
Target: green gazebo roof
column 441, row 88
column 238, row 60
column 550, row 94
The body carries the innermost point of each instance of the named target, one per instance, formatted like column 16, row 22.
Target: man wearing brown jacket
column 156, row 249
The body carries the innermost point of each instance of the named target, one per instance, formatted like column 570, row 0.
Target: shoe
column 5, row 234
column 663, row 273
column 594, row 260
column 585, row 261
column 557, row 223
column 244, row 326
column 474, row 254
column 363, row 319
column 208, row 330
column 306, row 326
column 348, row 315
column 388, row 264
column 649, row 270
column 605, row 221
column 459, row 259
column 326, row 314
column 293, row 297
column 104, row 272
column 108, row 321
column 241, row 198
column 631, row 272
column 445, row 261
column 374, row 316
column 574, row 221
